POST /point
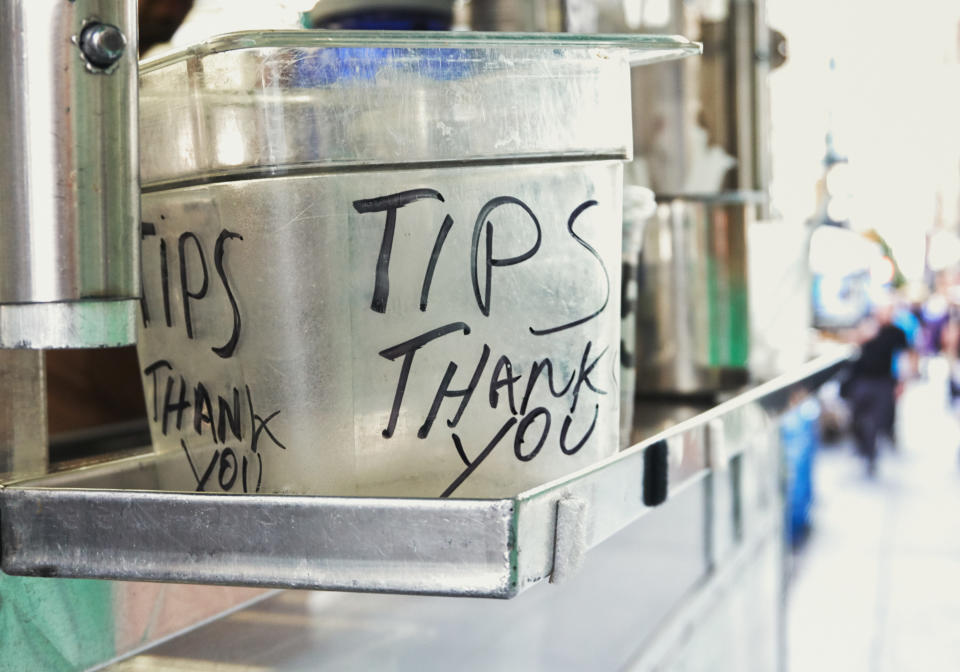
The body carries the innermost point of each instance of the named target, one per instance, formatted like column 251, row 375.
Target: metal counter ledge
column 112, row 522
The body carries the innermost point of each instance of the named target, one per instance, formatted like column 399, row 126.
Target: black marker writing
column 445, row 391
column 201, row 480
column 226, row 350
column 520, row 437
column 165, row 282
column 260, row 425
column 184, row 284
column 535, row 371
column 567, row 421
column 147, row 229
column 229, row 416
column 195, row 278
column 203, row 411
column 472, row 466
column 408, row 349
column 228, row 466
column 434, row 255
column 583, row 375
column 151, row 370
column 533, row 428
column 390, row 204
column 596, row 255
column 482, row 224
column 177, row 407
column 496, row 382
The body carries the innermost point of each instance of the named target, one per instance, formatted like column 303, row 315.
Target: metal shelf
column 112, row 521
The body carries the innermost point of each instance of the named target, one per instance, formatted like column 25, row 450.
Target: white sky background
column 894, row 98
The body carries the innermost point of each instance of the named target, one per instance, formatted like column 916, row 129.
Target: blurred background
column 865, row 146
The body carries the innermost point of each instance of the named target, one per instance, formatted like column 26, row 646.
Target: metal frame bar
column 97, row 527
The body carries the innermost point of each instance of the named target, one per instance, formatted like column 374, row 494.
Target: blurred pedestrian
column 872, row 384
column 935, row 315
column 950, row 343
column 905, row 365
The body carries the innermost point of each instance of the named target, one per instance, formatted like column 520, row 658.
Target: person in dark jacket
column 873, row 386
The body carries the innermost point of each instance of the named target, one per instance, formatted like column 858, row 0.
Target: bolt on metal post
column 102, row 44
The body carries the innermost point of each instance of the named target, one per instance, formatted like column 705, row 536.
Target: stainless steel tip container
column 385, row 263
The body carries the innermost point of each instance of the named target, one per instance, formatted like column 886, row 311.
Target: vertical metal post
column 23, row 414
column 69, row 199
column 69, row 266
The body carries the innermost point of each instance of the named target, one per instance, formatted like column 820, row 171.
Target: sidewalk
column 876, row 587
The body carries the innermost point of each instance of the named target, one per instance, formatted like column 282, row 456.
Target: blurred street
column 876, row 585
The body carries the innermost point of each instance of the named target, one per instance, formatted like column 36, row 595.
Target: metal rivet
column 102, row 44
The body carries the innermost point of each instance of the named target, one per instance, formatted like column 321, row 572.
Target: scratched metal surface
column 259, row 103
column 597, row 620
column 426, row 395
column 88, row 525
column 421, row 546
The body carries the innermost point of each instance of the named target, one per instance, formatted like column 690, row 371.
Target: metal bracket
column 111, row 521
column 718, row 456
column 570, row 545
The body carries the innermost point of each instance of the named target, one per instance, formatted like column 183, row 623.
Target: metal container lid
column 254, row 104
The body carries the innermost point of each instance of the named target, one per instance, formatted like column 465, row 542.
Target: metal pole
column 69, row 193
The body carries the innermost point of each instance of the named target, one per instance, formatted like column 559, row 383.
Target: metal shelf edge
column 456, row 547
column 483, row 548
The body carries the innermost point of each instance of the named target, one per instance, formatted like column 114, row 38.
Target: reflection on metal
column 701, row 126
column 734, row 91
column 281, row 118
column 595, row 621
column 68, row 170
column 81, row 624
column 23, row 414
column 68, row 324
column 639, row 204
column 512, row 16
column 381, row 14
column 689, row 587
column 737, row 609
column 692, row 329
column 303, row 542
column 105, row 522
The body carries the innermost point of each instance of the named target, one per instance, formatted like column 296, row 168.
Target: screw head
column 102, row 44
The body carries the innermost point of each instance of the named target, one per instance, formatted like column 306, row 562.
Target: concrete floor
column 876, row 586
